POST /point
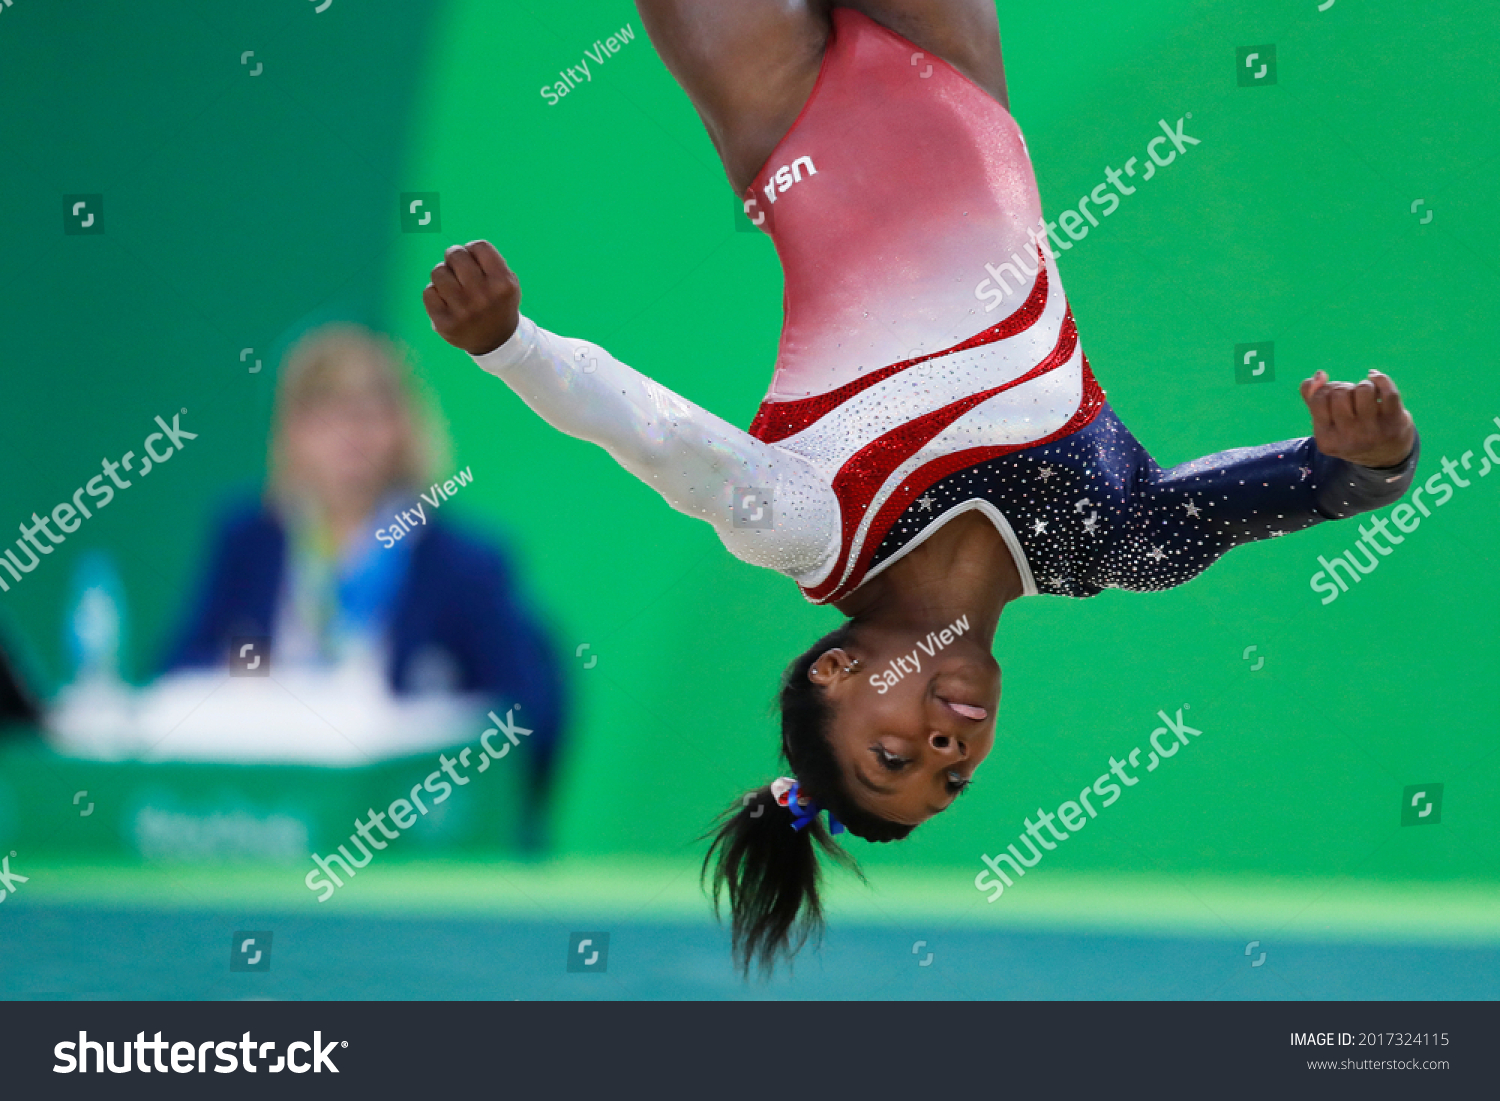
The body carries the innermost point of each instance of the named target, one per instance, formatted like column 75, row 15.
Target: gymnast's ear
column 826, row 668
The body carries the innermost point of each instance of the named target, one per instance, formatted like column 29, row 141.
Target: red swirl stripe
column 859, row 479
column 776, row 420
column 920, row 480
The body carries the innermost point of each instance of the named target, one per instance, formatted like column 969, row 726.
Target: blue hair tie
column 802, row 817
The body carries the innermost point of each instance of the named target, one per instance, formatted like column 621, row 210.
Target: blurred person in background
column 17, row 708
column 435, row 610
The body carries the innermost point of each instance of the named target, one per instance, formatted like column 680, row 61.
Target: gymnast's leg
column 1362, row 457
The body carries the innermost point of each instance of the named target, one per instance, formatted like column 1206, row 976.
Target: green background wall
column 240, row 210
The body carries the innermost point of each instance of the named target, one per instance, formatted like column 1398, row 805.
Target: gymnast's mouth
column 967, row 710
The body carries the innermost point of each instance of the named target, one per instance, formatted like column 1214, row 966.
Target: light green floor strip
column 655, row 890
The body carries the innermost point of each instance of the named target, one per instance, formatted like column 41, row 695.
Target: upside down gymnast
column 923, row 460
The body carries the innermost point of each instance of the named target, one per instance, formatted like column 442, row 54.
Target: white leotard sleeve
column 702, row 465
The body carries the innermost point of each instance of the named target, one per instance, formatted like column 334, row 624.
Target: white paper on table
column 300, row 716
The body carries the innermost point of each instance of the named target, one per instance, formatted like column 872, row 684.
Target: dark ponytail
column 769, row 870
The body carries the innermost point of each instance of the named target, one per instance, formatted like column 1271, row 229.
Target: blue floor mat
column 67, row 953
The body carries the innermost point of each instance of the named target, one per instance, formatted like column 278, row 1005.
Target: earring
column 853, row 667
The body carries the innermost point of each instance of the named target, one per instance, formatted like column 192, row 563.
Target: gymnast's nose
column 947, row 746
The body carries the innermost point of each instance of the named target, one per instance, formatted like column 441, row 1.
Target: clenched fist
column 1362, row 422
column 474, row 298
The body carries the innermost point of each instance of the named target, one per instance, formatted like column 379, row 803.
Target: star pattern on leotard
column 1091, row 511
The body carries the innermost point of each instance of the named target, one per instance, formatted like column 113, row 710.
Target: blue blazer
column 456, row 595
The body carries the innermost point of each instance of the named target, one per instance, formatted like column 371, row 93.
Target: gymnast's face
column 910, row 740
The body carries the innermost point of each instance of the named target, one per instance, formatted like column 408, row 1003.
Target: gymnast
column 917, row 462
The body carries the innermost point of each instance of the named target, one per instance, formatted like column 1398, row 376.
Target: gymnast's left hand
column 474, row 298
column 1363, row 423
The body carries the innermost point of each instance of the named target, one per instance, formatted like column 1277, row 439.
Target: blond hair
column 344, row 358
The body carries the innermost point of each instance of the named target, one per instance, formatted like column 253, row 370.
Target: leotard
column 904, row 209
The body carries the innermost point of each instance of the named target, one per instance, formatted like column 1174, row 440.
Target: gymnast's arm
column 749, row 66
column 695, row 460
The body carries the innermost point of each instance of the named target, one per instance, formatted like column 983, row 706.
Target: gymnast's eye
column 957, row 785
column 887, row 759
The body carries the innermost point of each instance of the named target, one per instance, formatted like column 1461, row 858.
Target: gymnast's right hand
column 474, row 298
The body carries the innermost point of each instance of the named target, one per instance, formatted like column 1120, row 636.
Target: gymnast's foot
column 1363, row 423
